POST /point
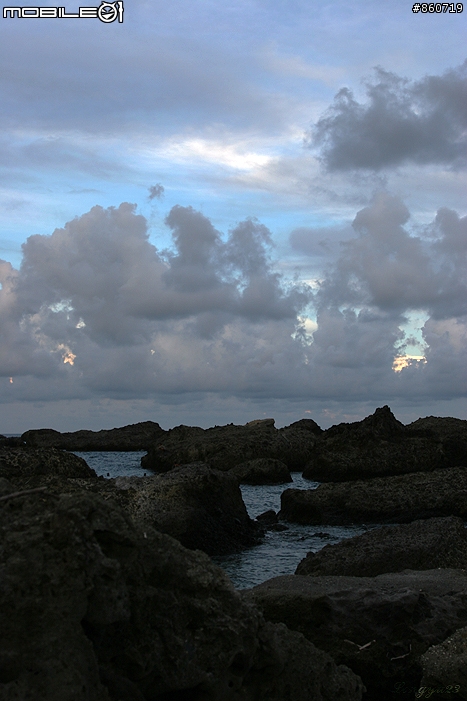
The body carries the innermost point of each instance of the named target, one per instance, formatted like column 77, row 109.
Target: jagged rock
column 380, row 445
column 94, row 609
column 224, row 447
column 398, row 499
column 445, row 668
column 23, row 465
column 420, row 545
column 262, row 471
column 138, row 436
column 379, row 627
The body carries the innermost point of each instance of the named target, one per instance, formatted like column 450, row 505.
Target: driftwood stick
column 13, row 495
column 400, row 657
column 360, row 647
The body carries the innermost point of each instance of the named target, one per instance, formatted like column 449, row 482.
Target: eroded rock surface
column 380, row 445
column 379, row 627
column 262, row 471
column 445, row 668
column 95, row 609
column 398, row 499
column 200, row 507
column 22, row 464
column 421, row 545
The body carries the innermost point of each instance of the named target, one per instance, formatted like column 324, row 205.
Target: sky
column 213, row 212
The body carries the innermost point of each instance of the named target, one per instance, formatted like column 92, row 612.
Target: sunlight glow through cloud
column 405, row 361
column 237, row 155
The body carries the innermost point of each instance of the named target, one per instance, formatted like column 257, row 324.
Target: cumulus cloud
column 133, row 319
column 381, row 276
column 95, row 310
column 422, row 122
column 387, row 268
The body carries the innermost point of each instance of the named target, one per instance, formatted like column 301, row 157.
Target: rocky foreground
column 94, row 608
column 106, row 595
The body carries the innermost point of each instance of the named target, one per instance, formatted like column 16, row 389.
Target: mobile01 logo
column 106, row 12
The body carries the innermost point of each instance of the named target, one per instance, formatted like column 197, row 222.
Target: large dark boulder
column 398, row 499
column 94, row 609
column 133, row 437
column 24, row 465
column 224, row 447
column 200, row 507
column 380, row 445
column 379, row 627
column 445, row 668
column 420, row 545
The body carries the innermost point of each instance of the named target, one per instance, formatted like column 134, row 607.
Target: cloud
column 421, row 122
column 156, row 192
column 183, row 82
column 319, row 241
column 95, row 310
column 387, row 268
column 99, row 293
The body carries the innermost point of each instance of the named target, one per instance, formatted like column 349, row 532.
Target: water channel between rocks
column 278, row 554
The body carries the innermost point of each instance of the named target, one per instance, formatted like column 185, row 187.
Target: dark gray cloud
column 402, row 122
column 156, row 192
column 97, row 311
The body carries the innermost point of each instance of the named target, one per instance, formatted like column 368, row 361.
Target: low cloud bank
column 95, row 310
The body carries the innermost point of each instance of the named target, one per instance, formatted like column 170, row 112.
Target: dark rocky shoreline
column 105, row 595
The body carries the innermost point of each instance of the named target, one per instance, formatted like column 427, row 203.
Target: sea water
column 281, row 551
column 278, row 554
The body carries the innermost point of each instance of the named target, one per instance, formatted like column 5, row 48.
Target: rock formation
column 200, row 507
column 380, row 445
column 22, row 464
column 420, row 545
column 445, row 668
column 379, row 627
column 95, row 609
column 134, row 437
column 398, row 499
column 224, row 447
column 262, row 471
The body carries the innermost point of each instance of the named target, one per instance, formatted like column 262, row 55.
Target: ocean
column 278, row 554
